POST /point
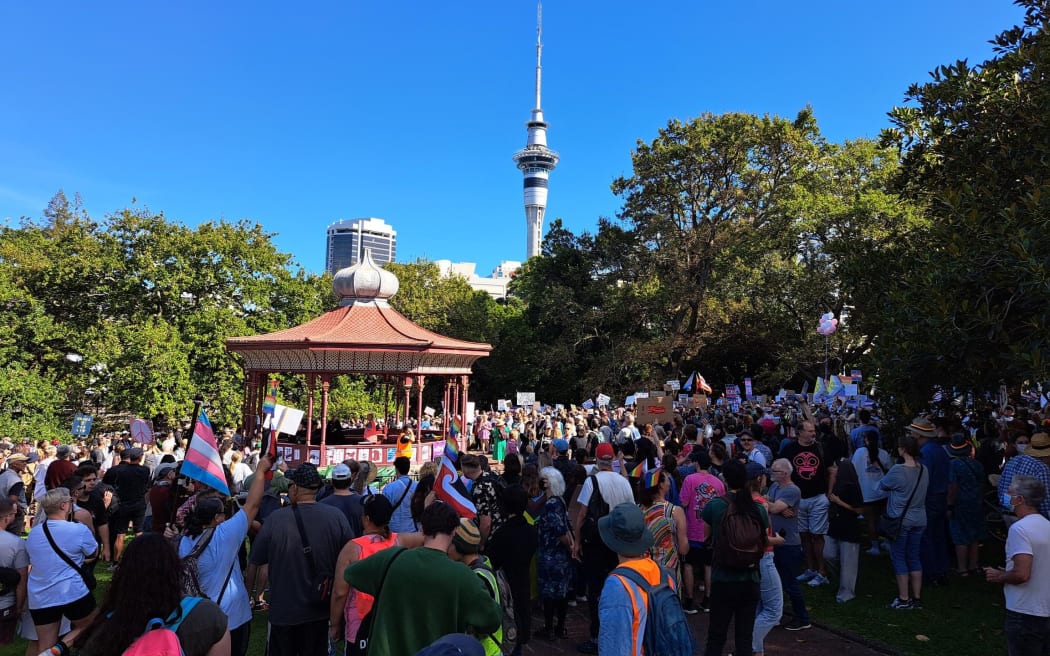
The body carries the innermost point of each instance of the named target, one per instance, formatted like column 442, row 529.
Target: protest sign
column 526, row 398
column 603, row 399
column 654, row 410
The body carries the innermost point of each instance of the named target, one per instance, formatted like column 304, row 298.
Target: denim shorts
column 813, row 515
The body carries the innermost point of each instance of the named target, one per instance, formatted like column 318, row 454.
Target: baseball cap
column 604, row 451
column 561, row 445
column 754, row 470
column 305, row 475
column 341, row 472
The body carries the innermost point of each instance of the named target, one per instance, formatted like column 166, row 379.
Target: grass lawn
column 966, row 617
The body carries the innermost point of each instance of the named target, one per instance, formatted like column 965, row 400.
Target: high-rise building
column 536, row 160
column 348, row 239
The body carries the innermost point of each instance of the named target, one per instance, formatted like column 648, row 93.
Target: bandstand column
column 464, row 382
column 445, row 406
column 325, row 383
column 420, row 382
column 406, row 384
column 311, row 385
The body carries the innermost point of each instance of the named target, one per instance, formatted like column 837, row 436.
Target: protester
column 148, row 585
column 784, row 499
column 511, row 550
column 665, row 521
column 771, row 593
column 588, row 547
column 344, row 499
column 734, row 592
column 57, row 588
column 466, row 542
column 399, row 492
column 1027, row 571
column 810, row 474
column 13, row 556
column 349, row 606
column 130, row 479
column 934, row 545
column 454, row 598
column 298, row 611
column 13, row 488
column 215, row 540
column 60, row 468
column 554, row 558
column 966, row 520
column 871, row 463
column 906, row 484
column 161, row 496
column 843, row 542
column 698, row 490
column 1035, row 462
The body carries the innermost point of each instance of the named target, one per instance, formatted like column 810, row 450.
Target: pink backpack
column 160, row 638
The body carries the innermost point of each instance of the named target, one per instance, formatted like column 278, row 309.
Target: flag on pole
column 202, row 461
column 447, row 485
column 689, row 382
column 702, row 382
column 455, row 426
column 835, row 386
column 270, row 402
column 820, row 389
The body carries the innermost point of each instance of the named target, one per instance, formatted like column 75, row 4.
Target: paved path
column 812, row 642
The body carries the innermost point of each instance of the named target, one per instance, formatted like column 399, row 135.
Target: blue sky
column 298, row 114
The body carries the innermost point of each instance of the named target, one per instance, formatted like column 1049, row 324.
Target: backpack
column 191, row 579
column 160, row 638
column 497, row 584
column 741, row 540
column 666, row 629
column 596, row 509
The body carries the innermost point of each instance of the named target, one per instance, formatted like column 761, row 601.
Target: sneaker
column 806, row 576
column 704, row 606
column 688, row 608
column 589, row 647
column 818, row 581
column 581, row 598
column 572, row 602
column 916, row 604
column 797, row 625
column 885, row 546
column 900, row 604
column 874, row 551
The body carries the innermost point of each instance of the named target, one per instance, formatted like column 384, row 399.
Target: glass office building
column 347, row 239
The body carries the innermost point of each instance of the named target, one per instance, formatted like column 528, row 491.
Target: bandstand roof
column 364, row 335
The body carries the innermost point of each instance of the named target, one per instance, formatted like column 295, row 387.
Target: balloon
column 828, row 324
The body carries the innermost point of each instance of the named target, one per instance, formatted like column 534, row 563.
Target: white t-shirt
column 869, row 474
column 51, row 581
column 1030, row 535
column 12, row 554
column 41, row 471
column 615, row 489
column 214, row 566
column 756, row 456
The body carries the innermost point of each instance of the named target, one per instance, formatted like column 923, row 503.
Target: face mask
column 1021, row 448
column 1007, row 500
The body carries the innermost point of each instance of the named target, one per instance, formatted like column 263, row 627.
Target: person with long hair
column 55, row 588
column 665, row 521
column 771, row 593
column 843, row 541
column 146, row 585
column 554, row 556
column 734, row 593
column 216, row 541
column 871, row 463
column 904, row 481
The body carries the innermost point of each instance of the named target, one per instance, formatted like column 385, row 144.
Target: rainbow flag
column 651, row 479
column 202, row 461
column 447, row 485
column 455, row 426
column 637, row 470
column 270, row 402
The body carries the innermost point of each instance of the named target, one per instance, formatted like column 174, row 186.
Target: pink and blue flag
column 202, row 461
column 448, row 487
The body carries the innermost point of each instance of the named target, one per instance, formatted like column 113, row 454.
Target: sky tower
column 536, row 160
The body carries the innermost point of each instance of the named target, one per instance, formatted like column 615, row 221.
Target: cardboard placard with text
column 654, row 410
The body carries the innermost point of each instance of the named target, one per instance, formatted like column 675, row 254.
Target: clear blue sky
column 295, row 114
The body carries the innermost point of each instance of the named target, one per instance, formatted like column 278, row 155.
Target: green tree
column 971, row 304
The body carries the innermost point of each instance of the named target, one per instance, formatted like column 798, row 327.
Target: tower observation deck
column 536, row 160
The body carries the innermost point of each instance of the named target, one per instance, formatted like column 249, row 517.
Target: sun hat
column 960, row 446
column 624, row 531
column 369, row 469
column 1039, row 446
column 921, row 427
column 17, row 457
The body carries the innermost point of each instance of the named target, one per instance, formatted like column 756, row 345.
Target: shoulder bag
column 320, row 583
column 86, row 575
column 359, row 646
column 890, row 527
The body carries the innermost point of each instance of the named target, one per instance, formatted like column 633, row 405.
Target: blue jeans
column 905, row 550
column 770, row 602
column 1027, row 635
column 788, row 561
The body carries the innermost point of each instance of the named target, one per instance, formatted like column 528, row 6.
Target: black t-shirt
column 131, row 482
column 811, row 468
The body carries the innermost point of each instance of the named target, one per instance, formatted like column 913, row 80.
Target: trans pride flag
column 447, row 485
column 202, row 461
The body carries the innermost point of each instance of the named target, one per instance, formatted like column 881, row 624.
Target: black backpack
column 597, row 508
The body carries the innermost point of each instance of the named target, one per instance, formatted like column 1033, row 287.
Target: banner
column 674, row 384
column 526, row 399
column 587, row 405
column 747, row 389
column 604, row 399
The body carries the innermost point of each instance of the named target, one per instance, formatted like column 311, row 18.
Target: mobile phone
column 782, row 533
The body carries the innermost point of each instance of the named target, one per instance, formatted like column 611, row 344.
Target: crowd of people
column 733, row 511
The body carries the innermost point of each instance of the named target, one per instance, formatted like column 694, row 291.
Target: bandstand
column 364, row 335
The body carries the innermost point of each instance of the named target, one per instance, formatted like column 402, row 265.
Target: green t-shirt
column 425, row 596
column 712, row 516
